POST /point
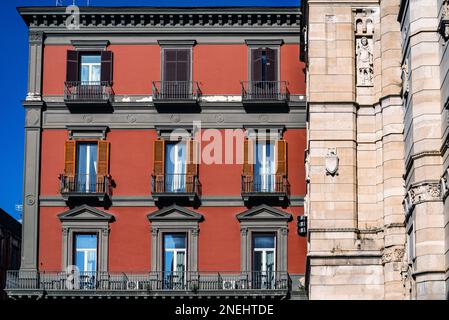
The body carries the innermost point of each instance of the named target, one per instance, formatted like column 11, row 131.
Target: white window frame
column 90, row 66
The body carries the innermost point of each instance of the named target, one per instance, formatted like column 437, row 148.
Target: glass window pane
column 95, row 73
column 168, row 261
column 90, row 59
column 79, row 260
column 91, row 260
column 263, row 241
column 180, row 261
column 175, row 241
column 86, row 241
column 84, row 73
column 257, row 261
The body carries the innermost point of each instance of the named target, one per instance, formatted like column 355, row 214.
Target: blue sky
column 13, row 80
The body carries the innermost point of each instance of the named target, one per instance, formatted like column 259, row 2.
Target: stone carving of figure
column 364, row 62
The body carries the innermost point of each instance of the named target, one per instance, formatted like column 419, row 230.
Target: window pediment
column 264, row 212
column 174, row 213
column 85, row 213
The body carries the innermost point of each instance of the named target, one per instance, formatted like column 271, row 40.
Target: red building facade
column 164, row 153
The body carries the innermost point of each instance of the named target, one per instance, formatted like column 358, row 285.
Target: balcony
column 148, row 284
column 175, row 188
column 265, row 92
column 88, row 93
column 85, row 187
column 176, row 93
column 265, row 188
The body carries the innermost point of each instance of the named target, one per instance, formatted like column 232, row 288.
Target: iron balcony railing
column 268, row 91
column 176, row 91
column 88, row 91
column 85, row 183
column 175, row 183
column 229, row 281
column 265, row 183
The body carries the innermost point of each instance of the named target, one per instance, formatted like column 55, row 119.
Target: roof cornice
column 153, row 18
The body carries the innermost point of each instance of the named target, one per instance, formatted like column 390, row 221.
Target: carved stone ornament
column 404, row 76
column 331, row 162
column 425, row 192
column 365, row 62
column 392, row 255
column 443, row 27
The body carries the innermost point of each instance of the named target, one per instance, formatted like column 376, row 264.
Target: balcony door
column 175, row 167
column 264, row 75
column 264, row 166
column 86, row 259
column 175, row 260
column 264, row 260
column 86, row 166
column 176, row 76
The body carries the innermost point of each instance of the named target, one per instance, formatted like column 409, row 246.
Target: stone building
column 377, row 156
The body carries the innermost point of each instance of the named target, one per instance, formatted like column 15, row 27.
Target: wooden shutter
column 281, row 157
column 191, row 164
column 183, row 65
column 271, row 71
column 248, row 165
column 69, row 158
column 106, row 66
column 103, row 158
column 169, row 73
column 256, row 64
column 72, row 65
column 159, row 165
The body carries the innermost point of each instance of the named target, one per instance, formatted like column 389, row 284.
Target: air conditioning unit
column 132, row 285
column 229, row 285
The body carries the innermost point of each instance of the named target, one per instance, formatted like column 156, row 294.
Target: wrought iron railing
column 85, row 183
column 265, row 183
column 265, row 91
column 176, row 91
column 88, row 91
column 231, row 281
column 175, row 183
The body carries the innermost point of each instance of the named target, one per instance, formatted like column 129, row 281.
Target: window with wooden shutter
column 72, row 65
column 281, row 157
column 248, row 165
column 191, row 165
column 106, row 66
column 158, row 164
column 69, row 158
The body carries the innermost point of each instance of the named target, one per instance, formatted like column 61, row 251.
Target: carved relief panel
column 364, row 46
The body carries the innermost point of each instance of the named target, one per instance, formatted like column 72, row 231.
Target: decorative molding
column 176, row 43
column 36, row 37
column 392, row 255
column 157, row 18
column 83, row 132
column 422, row 192
column 264, row 42
column 90, row 45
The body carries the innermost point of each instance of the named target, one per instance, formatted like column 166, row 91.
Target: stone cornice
column 50, row 18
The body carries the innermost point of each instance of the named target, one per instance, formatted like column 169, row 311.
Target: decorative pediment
column 85, row 213
column 264, row 212
column 174, row 213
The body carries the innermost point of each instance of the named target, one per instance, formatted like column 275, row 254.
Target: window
column 263, row 263
column 86, row 252
column 264, row 65
column 86, row 166
column 175, row 167
column 176, row 65
column 264, row 167
column 90, row 69
column 175, row 260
